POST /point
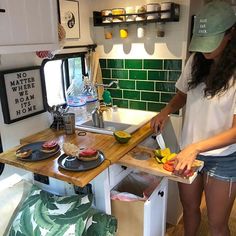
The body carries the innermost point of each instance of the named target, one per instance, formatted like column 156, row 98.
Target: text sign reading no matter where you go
column 22, row 93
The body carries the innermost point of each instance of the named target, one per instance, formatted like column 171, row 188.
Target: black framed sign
column 22, row 93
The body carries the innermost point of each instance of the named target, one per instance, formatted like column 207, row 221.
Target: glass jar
column 160, row 27
column 123, row 31
column 108, row 32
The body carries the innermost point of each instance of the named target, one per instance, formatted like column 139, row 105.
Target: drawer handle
column 161, row 193
column 2, row 10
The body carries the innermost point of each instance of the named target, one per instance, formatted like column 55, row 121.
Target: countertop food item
column 23, row 153
column 88, row 154
column 70, row 149
column 49, row 146
column 122, row 136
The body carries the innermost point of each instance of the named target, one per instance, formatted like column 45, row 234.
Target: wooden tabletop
column 112, row 150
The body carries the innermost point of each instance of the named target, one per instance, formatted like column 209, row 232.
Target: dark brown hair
column 217, row 80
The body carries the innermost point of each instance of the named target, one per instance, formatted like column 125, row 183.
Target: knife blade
column 160, row 141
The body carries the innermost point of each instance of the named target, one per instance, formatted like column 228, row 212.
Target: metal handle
column 161, row 193
column 2, row 10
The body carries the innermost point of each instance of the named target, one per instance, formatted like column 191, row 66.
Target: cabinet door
column 155, row 211
column 28, row 25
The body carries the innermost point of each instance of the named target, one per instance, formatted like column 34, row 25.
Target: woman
column 207, row 89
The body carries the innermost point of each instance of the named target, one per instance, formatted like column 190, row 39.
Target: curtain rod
column 89, row 46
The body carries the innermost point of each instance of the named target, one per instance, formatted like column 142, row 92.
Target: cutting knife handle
column 2, row 10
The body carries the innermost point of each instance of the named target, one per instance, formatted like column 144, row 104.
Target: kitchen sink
column 128, row 120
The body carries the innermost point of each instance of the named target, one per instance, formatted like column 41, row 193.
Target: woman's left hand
column 185, row 159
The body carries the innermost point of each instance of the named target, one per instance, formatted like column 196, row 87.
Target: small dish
column 37, row 154
column 73, row 164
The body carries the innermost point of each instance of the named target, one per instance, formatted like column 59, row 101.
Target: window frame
column 64, row 70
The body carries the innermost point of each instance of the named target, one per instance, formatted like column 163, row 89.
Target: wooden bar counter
column 112, row 150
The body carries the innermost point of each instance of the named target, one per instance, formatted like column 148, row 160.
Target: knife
column 160, row 140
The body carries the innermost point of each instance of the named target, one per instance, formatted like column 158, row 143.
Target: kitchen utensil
column 69, row 123
column 160, row 141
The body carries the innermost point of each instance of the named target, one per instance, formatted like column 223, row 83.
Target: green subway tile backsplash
column 155, row 106
column 129, row 94
column 133, row 64
column 172, row 64
column 120, row 74
column 153, row 64
column 144, row 84
column 166, row 97
column 115, row 63
column 174, row 75
column 138, row 105
column 157, row 75
column 127, row 84
column 138, row 74
column 148, row 96
column 121, row 103
column 115, row 93
column 165, row 87
column 106, row 73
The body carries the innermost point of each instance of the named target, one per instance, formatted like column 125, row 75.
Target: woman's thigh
column 220, row 197
column 191, row 194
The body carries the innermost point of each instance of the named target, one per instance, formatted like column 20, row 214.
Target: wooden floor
column 203, row 229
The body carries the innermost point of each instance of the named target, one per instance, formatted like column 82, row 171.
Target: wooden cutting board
column 142, row 158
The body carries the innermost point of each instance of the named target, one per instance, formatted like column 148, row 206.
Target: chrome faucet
column 116, row 82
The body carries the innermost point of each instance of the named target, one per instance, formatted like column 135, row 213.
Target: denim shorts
column 220, row 167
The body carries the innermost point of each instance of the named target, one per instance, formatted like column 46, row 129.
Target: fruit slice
column 88, row 152
column 169, row 166
column 122, row 136
column 49, row 144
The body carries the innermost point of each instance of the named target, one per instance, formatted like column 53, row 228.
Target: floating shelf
column 174, row 17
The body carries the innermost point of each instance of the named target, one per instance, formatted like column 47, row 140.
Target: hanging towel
column 94, row 71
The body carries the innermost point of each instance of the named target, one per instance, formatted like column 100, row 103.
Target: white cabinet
column 28, row 25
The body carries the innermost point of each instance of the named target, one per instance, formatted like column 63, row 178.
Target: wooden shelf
column 174, row 17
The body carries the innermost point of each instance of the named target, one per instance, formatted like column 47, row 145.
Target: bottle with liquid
column 76, row 100
column 90, row 93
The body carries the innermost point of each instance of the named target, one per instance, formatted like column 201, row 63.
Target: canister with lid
column 153, row 7
column 106, row 16
column 117, row 12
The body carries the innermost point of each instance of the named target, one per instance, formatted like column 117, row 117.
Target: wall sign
column 69, row 18
column 22, row 93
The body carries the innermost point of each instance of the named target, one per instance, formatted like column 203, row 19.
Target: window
column 59, row 73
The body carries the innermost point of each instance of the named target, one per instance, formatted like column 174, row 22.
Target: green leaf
column 31, row 201
column 26, row 226
column 41, row 217
column 37, row 231
column 79, row 227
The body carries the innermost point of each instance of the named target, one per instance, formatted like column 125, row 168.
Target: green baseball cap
column 210, row 25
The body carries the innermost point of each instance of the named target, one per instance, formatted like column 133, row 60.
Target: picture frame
column 22, row 93
column 68, row 11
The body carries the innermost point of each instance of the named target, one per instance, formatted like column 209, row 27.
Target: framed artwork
column 22, row 93
column 69, row 18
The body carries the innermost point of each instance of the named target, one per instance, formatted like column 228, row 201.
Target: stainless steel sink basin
column 109, row 127
column 122, row 119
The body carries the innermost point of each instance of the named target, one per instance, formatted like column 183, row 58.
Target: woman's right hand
column 158, row 121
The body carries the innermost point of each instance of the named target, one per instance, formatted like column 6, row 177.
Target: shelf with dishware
column 169, row 15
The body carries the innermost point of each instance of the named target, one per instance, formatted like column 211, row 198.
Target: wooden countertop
column 106, row 143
